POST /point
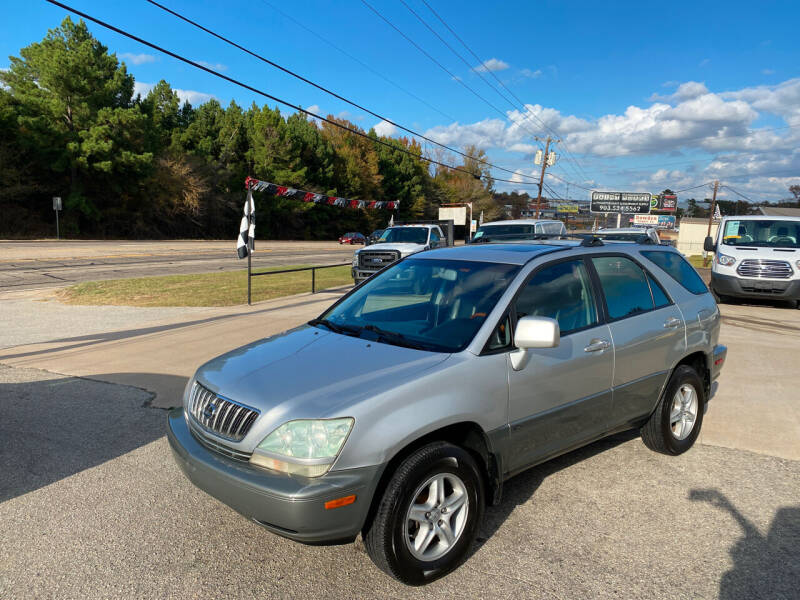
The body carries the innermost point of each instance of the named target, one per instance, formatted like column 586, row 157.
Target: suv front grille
column 219, row 415
column 759, row 267
column 375, row 260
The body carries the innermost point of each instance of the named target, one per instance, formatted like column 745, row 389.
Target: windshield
column 435, row 305
column 412, row 235
column 769, row 233
column 505, row 232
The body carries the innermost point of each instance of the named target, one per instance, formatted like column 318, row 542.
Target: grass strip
column 226, row 288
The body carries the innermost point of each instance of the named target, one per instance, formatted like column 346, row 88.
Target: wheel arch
column 467, row 435
column 700, row 362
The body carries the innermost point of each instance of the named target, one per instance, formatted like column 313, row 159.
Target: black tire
column 384, row 535
column 657, row 433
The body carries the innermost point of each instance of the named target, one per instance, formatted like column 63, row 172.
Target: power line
column 255, row 90
column 707, row 183
column 441, row 66
column 521, row 103
column 359, row 61
column 431, row 58
column 324, row 89
column 738, row 193
column 570, row 182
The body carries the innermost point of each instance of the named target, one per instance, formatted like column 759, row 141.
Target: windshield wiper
column 398, row 339
column 342, row 329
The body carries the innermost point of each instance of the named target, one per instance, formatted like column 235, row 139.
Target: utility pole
column 545, row 158
column 711, row 215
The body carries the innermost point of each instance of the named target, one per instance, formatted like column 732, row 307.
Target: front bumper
column 360, row 275
column 729, row 285
column 293, row 507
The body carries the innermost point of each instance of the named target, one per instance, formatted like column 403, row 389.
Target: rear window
column 679, row 269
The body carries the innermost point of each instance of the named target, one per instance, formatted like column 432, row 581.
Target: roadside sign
column 666, row 202
column 659, row 221
column 567, row 208
column 56, row 202
column 631, row 203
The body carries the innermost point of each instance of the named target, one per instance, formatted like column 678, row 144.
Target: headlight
column 305, row 447
column 725, row 260
column 355, row 259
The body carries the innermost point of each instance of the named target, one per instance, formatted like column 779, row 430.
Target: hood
column 310, row 373
column 405, row 248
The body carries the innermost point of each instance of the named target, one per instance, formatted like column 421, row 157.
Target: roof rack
column 591, row 240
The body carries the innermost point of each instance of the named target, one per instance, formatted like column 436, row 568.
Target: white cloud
column 767, row 71
column 138, row 59
column 385, row 129
column 531, row 74
column 191, row 96
column 493, row 64
column 704, row 62
column 715, row 129
column 685, row 91
column 213, row 66
column 314, row 108
column 782, row 99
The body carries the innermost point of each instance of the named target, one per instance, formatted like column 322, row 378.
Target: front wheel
column 428, row 516
column 675, row 424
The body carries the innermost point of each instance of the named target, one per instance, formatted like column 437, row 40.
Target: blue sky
column 645, row 95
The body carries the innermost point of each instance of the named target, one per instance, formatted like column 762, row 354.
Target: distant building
column 692, row 234
column 779, row 211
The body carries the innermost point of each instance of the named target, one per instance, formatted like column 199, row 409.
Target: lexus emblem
column 209, row 411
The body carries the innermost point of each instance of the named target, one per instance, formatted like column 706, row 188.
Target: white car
column 518, row 229
column 629, row 234
column 395, row 243
column 756, row 257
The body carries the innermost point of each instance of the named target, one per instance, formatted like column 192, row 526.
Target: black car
column 374, row 236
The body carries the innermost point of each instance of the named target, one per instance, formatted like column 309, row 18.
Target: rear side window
column 625, row 286
column 679, row 269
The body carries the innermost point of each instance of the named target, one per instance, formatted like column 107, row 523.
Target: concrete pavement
column 755, row 406
column 92, row 505
column 160, row 355
column 107, row 514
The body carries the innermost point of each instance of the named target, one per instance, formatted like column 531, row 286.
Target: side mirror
column 709, row 245
column 533, row 332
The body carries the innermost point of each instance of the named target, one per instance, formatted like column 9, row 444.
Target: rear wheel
column 675, row 424
column 428, row 516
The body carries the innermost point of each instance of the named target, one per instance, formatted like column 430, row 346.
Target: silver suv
column 400, row 412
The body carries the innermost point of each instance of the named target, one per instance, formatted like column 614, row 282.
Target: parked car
column 756, row 257
column 518, row 229
column 373, row 237
column 352, row 238
column 395, row 243
column 400, row 412
column 629, row 234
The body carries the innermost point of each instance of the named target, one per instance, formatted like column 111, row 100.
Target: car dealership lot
column 92, row 505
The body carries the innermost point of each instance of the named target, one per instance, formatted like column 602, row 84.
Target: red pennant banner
column 273, row 189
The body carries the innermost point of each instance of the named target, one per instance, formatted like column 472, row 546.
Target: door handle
column 597, row 345
column 672, row 323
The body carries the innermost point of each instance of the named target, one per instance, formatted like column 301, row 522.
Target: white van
column 756, row 257
column 518, row 229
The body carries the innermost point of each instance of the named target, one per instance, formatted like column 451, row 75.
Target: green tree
column 64, row 82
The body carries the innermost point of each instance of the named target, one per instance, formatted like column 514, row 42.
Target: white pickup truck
column 395, row 243
column 756, row 257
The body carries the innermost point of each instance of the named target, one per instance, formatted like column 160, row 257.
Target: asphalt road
column 92, row 506
column 27, row 265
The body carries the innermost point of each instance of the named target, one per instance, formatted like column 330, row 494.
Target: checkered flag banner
column 287, row 192
column 245, row 244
